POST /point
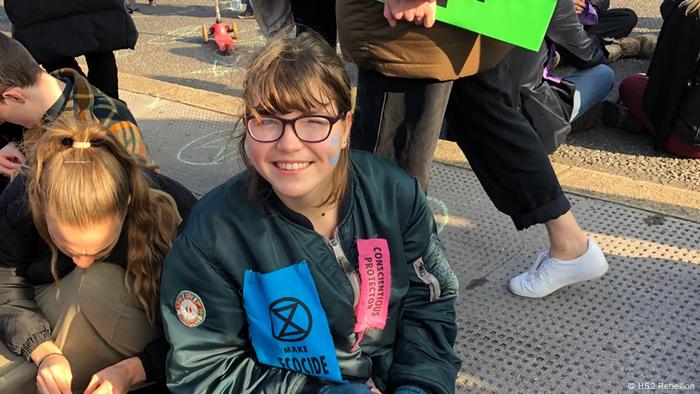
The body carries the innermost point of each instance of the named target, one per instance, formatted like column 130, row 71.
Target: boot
column 636, row 46
column 614, row 52
column 630, row 46
column 648, row 45
column 616, row 114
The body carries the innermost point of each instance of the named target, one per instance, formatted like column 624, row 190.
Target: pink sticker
column 375, row 286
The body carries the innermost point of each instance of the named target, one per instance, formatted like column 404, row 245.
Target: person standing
column 412, row 75
column 56, row 32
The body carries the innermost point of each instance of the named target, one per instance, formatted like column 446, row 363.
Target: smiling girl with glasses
column 310, row 269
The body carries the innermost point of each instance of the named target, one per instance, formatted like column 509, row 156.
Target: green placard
column 518, row 22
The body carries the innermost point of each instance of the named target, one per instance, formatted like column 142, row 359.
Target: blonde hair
column 81, row 186
column 691, row 6
column 296, row 73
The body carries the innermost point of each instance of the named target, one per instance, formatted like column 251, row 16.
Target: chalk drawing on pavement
column 217, row 69
column 441, row 213
column 208, row 150
column 155, row 103
column 121, row 54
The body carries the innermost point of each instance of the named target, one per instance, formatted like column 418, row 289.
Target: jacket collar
column 57, row 107
column 80, row 98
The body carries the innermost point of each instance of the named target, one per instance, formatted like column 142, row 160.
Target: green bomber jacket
column 226, row 234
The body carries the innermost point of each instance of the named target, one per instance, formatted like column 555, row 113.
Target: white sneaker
column 548, row 275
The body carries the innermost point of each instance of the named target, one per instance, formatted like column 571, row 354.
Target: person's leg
column 248, row 11
column 592, row 85
column 503, row 149
column 66, row 62
column 97, row 321
column 400, row 119
column 631, row 93
column 508, row 158
column 318, row 16
column 103, row 73
column 614, row 23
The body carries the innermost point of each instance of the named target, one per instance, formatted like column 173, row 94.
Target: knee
column 628, row 19
column 634, row 85
column 102, row 282
column 604, row 75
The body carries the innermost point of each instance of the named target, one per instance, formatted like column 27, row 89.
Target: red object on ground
column 222, row 36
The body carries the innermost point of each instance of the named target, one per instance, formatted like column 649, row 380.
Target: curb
column 648, row 196
column 211, row 101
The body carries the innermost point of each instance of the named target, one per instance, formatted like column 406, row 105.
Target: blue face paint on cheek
column 335, row 156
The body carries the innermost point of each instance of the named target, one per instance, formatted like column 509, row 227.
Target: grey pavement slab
column 636, row 325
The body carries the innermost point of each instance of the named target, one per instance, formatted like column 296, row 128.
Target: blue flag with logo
column 287, row 324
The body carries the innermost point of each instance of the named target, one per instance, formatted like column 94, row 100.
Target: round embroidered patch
column 190, row 308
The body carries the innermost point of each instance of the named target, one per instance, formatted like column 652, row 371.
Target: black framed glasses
column 308, row 128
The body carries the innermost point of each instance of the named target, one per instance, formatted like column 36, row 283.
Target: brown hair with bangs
column 296, row 73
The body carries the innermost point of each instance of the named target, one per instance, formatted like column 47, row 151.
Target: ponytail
column 80, row 175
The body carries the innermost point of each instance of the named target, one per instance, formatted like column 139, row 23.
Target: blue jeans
column 592, row 85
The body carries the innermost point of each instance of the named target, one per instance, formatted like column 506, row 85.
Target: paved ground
column 635, row 329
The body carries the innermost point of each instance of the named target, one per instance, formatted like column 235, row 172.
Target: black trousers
column 400, row 119
column 614, row 23
column 102, row 71
column 318, row 15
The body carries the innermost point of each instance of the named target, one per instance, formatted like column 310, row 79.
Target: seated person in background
column 82, row 240
column 610, row 27
column 666, row 101
column 551, row 103
column 29, row 96
column 315, row 265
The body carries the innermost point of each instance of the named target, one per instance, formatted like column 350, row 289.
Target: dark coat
column 25, row 263
column 52, row 30
column 228, row 234
column 672, row 97
column 545, row 103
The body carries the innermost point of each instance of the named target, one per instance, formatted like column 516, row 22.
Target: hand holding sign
column 518, row 22
column 421, row 12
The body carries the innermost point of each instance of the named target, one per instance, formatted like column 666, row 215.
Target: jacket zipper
column 349, row 271
column 429, row 279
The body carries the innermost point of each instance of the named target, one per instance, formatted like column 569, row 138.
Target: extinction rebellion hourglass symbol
column 291, row 319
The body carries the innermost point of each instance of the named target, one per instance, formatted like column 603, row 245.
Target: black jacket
column 25, row 263
column 672, row 97
column 52, row 30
